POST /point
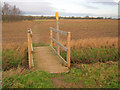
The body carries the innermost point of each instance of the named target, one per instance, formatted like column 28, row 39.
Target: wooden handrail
column 60, row 31
column 63, row 47
column 67, row 49
column 30, row 49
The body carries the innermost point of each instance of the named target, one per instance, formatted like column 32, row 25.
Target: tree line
column 10, row 13
column 13, row 13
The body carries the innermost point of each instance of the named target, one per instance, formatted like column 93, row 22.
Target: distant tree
column 105, row 17
column 10, row 10
column 109, row 17
column 87, row 17
column 79, row 17
column 10, row 13
column 15, row 11
column 92, row 18
column 72, row 17
column 5, row 9
column 100, row 18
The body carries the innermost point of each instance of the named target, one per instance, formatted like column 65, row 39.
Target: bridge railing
column 30, row 49
column 67, row 49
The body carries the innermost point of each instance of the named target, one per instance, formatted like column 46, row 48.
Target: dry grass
column 13, row 55
column 19, row 71
column 15, row 46
column 94, row 43
column 21, row 48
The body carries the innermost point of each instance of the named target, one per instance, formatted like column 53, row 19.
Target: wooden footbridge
column 48, row 58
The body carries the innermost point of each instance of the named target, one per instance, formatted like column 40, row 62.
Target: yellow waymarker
column 57, row 15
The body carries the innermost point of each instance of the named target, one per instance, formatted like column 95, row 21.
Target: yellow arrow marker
column 57, row 15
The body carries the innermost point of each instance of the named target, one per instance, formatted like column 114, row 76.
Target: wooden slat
column 60, row 31
column 59, row 44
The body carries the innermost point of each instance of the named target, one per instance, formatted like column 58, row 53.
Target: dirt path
column 46, row 60
column 60, row 82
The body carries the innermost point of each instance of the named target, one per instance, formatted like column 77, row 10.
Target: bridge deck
column 46, row 60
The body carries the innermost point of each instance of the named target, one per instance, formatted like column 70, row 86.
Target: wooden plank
column 60, row 31
column 64, row 48
column 68, row 49
column 63, row 60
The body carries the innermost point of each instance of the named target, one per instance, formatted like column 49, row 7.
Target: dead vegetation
column 106, row 42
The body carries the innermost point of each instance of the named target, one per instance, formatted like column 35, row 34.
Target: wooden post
column 68, row 49
column 51, row 35
column 29, row 49
column 57, row 27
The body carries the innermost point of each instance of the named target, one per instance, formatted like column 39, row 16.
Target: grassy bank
column 92, row 55
column 98, row 75
column 92, row 67
column 14, row 55
column 92, row 50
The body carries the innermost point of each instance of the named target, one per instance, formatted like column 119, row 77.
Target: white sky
column 68, row 7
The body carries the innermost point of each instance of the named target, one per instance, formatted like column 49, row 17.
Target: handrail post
column 51, row 35
column 29, row 49
column 68, row 49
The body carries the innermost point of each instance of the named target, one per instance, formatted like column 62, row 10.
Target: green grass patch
column 90, row 72
column 98, row 75
column 12, row 59
column 94, row 75
column 92, row 55
column 34, row 79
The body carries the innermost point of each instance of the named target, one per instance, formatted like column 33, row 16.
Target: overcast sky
column 106, row 8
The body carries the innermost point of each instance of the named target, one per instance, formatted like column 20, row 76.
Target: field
column 80, row 29
column 94, row 53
